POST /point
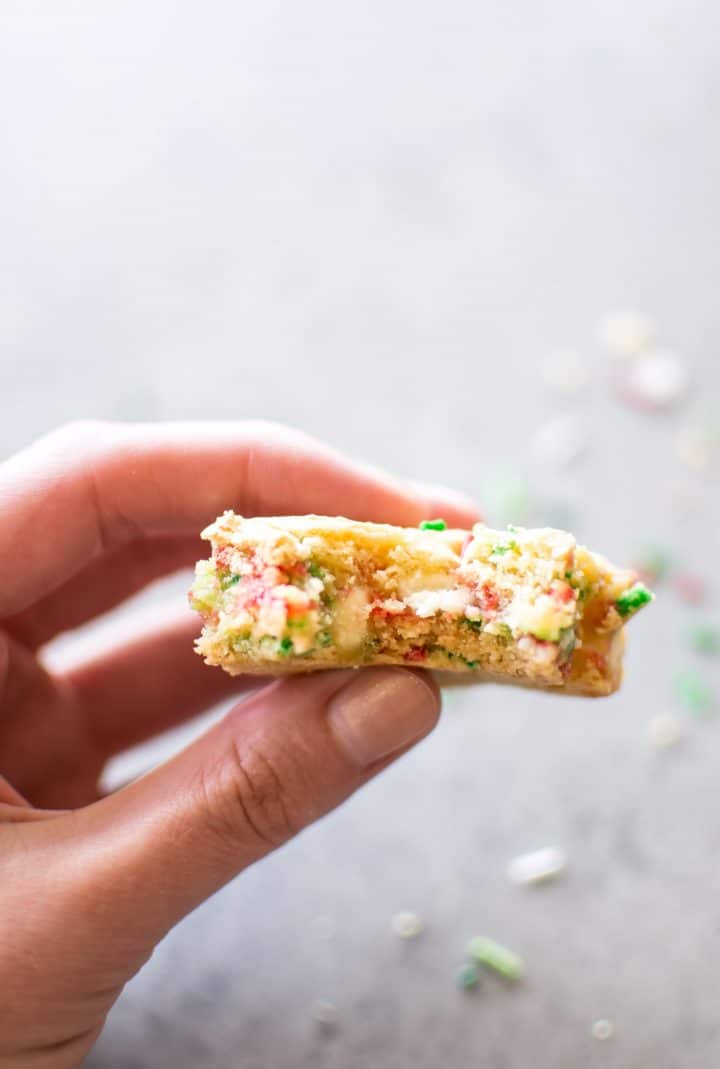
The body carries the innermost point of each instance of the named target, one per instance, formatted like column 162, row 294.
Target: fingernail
column 381, row 711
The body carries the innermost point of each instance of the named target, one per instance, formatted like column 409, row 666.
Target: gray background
column 374, row 221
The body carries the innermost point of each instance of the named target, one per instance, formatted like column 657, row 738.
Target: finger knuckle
column 82, row 441
column 269, row 434
column 80, row 433
column 246, row 797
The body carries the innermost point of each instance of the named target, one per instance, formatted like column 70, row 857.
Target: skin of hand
column 89, row 515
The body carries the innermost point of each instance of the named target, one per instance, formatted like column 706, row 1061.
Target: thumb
column 273, row 765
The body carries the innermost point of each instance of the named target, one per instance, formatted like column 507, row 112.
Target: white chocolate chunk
column 429, row 602
column 351, row 615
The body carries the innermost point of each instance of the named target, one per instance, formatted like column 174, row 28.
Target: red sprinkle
column 598, row 659
column 690, row 588
column 222, row 558
column 416, row 653
column 563, row 591
column 257, row 564
column 294, row 609
column 251, row 592
column 467, row 543
column 489, row 598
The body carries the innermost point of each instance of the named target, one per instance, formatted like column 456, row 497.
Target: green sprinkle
column 474, row 625
column 453, row 656
column 504, row 547
column 433, row 525
column 229, row 580
column 633, row 599
column 694, row 693
column 315, row 570
column 202, row 602
column 468, row 976
column 496, row 957
column 325, row 639
column 566, row 642
column 704, row 638
column 286, row 646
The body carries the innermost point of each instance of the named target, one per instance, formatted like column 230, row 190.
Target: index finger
column 91, row 486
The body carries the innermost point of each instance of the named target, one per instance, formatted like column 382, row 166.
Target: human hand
column 88, row 885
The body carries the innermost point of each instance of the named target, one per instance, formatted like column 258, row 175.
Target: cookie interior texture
column 301, row 593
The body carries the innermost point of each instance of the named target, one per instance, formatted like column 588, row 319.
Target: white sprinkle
column 323, row 927
column 560, row 442
column 666, row 731
column 625, row 334
column 603, row 1029
column 325, row 1013
column 538, row 866
column 565, row 371
column 655, row 380
column 407, row 924
column 426, row 603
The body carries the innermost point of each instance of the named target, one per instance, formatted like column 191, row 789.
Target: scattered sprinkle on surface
column 666, row 731
column 407, row 924
column 603, row 1029
column 704, row 638
column 654, row 381
column 325, row 1013
column 690, row 588
column 695, row 694
column 496, row 957
column 433, row 525
column 625, row 334
column 468, row 976
column 538, row 866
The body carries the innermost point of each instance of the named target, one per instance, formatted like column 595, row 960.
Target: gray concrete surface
column 374, row 222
